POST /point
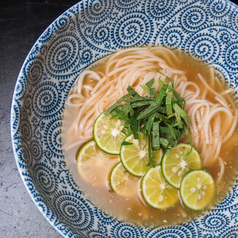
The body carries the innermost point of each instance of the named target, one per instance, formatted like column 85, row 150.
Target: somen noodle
column 139, row 67
column 209, row 105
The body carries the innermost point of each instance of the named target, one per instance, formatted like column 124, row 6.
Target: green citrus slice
column 156, row 191
column 157, row 155
column 134, row 157
column 181, row 159
column 93, row 164
column 197, row 189
column 107, row 133
column 122, row 182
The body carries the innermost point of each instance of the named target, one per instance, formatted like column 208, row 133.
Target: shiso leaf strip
column 156, row 135
column 126, row 143
column 160, row 118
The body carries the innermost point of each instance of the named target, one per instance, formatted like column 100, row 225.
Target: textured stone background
column 21, row 23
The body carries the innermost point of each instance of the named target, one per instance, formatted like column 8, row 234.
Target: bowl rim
column 44, row 209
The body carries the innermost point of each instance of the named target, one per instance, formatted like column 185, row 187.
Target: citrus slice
column 122, row 182
column 135, row 157
column 156, row 191
column 197, row 189
column 107, row 133
column 181, row 159
column 157, row 155
column 93, row 164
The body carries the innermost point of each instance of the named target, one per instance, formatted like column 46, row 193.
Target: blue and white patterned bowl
column 85, row 33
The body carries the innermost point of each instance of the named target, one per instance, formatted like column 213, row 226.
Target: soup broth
column 134, row 208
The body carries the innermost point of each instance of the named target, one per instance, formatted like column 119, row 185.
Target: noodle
column 222, row 169
column 138, row 65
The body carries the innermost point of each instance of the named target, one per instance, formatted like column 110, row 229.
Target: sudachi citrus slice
column 107, row 133
column 181, row 159
column 93, row 164
column 122, row 182
column 157, row 155
column 135, row 157
column 197, row 189
column 156, row 191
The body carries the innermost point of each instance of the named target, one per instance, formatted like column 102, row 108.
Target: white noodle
column 222, row 101
column 92, row 74
column 137, row 66
column 222, row 170
column 229, row 90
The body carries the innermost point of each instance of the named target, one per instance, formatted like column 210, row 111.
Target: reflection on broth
column 213, row 126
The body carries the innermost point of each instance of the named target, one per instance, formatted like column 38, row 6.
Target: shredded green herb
column 126, row 143
column 160, row 118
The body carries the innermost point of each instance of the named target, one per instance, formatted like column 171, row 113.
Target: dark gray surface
column 21, row 23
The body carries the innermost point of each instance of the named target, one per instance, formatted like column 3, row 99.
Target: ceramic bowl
column 82, row 35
